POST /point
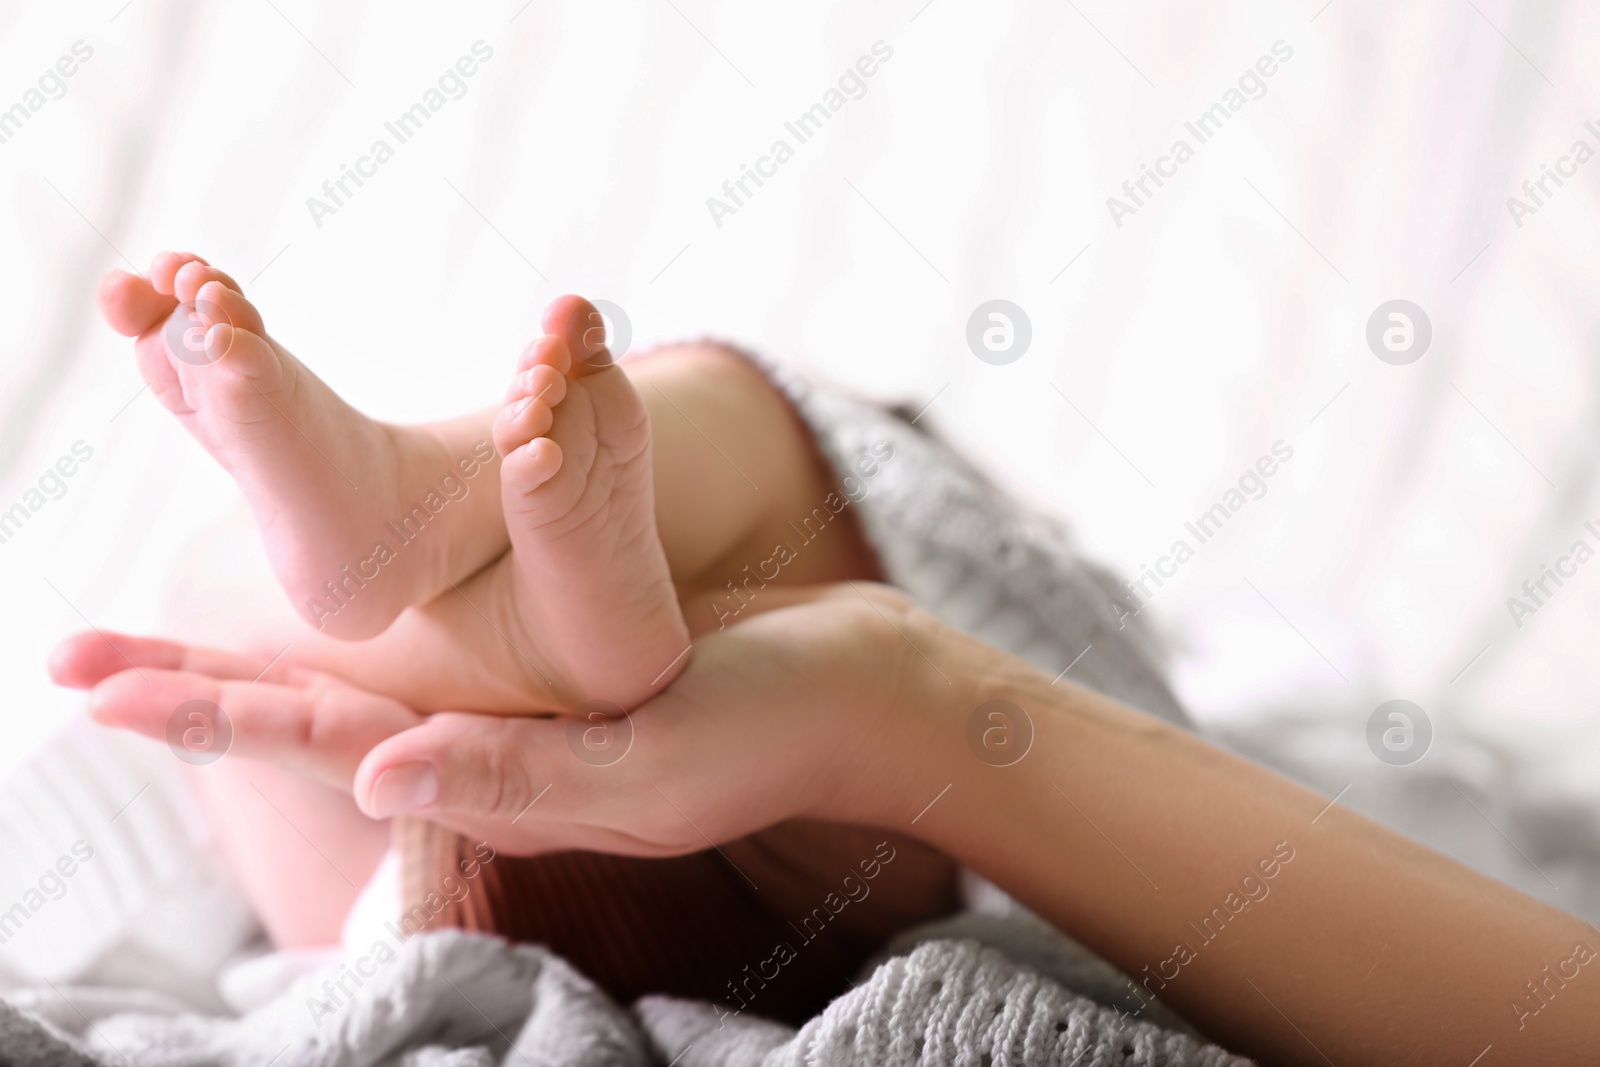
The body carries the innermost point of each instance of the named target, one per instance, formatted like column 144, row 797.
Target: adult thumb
column 484, row 766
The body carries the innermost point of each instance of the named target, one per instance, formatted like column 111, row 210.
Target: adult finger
column 322, row 729
column 489, row 766
column 523, row 783
column 86, row 659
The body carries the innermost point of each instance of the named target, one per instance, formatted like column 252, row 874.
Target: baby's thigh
column 744, row 498
column 300, row 850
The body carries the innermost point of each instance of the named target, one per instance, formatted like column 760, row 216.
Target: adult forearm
column 1286, row 928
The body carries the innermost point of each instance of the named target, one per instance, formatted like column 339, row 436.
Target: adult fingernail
column 404, row 788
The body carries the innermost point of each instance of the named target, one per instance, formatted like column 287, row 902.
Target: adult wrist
column 957, row 708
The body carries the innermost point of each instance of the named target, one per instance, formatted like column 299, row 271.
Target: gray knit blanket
column 995, row 986
column 452, row 999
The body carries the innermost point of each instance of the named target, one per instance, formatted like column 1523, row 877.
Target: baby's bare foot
column 326, row 484
column 591, row 578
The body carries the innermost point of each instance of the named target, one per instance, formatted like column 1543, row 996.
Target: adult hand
column 795, row 712
column 1117, row 827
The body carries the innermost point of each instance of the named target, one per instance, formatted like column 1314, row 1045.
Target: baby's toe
column 226, row 304
column 526, row 468
column 165, row 267
column 130, row 304
column 519, row 423
column 189, row 279
column 543, row 383
column 251, row 366
column 583, row 328
column 547, row 351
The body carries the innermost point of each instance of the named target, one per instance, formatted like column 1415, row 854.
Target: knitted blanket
column 996, row 986
column 973, row 556
column 452, row 999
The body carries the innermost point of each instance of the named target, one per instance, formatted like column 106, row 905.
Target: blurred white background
column 1168, row 353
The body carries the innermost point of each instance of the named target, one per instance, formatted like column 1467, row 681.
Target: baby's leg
column 301, row 851
column 325, row 482
column 732, row 468
column 736, row 467
column 362, row 519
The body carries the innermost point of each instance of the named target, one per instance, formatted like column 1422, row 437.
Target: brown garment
column 776, row 924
